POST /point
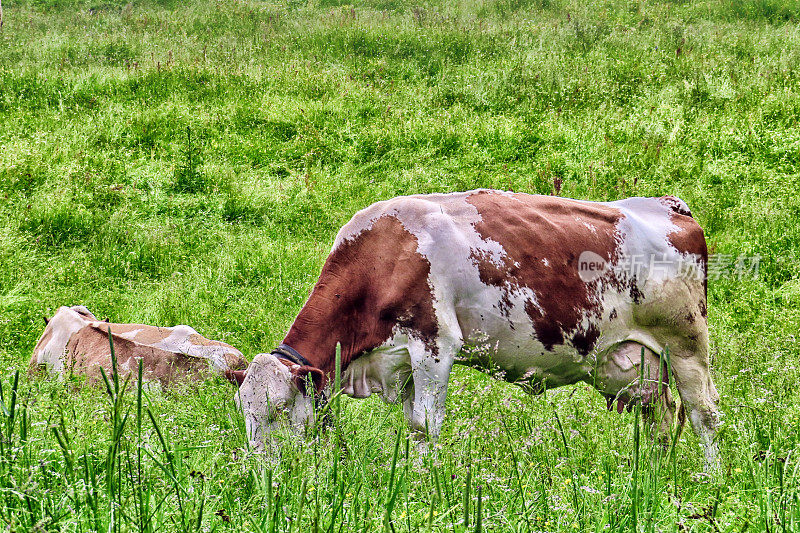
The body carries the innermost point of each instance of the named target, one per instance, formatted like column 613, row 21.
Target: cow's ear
column 303, row 375
column 236, row 376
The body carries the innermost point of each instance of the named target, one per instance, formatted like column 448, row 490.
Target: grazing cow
column 75, row 341
column 543, row 291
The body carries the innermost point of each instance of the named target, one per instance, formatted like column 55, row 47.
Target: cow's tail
column 676, row 204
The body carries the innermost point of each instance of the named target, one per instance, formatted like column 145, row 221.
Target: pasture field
column 190, row 162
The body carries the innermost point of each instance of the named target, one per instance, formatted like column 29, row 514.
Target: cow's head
column 49, row 350
column 276, row 393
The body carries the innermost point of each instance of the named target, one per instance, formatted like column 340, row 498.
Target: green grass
column 190, row 162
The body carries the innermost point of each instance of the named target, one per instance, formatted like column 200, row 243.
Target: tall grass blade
column 479, row 512
column 467, row 487
column 298, row 521
column 636, row 449
column 573, row 478
column 337, row 386
column 391, row 493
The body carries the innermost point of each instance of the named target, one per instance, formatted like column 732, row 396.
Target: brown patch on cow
column 536, row 227
column 613, row 314
column 636, row 295
column 584, row 341
column 143, row 334
column 703, row 308
column 688, row 238
column 548, row 332
column 676, row 205
column 368, row 285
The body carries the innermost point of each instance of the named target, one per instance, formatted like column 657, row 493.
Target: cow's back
column 75, row 341
column 507, row 268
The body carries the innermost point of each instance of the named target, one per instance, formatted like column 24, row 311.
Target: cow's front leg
column 425, row 407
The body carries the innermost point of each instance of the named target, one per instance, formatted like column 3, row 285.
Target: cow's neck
column 314, row 335
column 369, row 284
column 339, row 309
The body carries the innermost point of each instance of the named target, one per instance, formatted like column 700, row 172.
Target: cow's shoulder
column 413, row 214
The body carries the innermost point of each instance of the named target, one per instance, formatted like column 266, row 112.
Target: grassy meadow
column 190, row 161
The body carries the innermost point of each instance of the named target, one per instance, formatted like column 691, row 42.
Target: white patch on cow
column 644, row 238
column 130, row 335
column 84, row 311
column 66, row 322
column 591, row 227
column 179, row 341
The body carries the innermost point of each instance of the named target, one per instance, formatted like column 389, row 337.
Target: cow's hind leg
column 675, row 314
column 699, row 398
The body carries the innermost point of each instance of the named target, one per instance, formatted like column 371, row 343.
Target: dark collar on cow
column 284, row 351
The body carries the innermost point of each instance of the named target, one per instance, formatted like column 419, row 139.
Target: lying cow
column 75, row 341
column 547, row 291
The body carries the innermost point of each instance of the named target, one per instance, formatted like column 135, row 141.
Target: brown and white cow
column 548, row 291
column 75, row 341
